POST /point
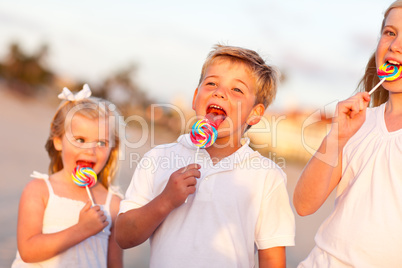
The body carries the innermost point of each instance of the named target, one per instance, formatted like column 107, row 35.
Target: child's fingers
column 362, row 101
column 87, row 205
column 191, row 181
column 97, row 208
column 355, row 108
column 366, row 97
column 192, row 173
column 191, row 189
column 190, row 167
column 103, row 218
column 354, row 105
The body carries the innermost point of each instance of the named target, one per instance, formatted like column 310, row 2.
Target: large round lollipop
column 203, row 133
column 390, row 72
column 85, row 177
column 387, row 72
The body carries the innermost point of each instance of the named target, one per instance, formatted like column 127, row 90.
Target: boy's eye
column 238, row 90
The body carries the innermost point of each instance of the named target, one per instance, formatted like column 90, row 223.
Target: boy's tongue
column 216, row 118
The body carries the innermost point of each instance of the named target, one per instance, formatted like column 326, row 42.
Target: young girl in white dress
column 57, row 224
column 361, row 156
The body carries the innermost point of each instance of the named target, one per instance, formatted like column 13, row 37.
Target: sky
column 322, row 47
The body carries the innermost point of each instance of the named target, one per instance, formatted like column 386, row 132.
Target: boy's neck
column 222, row 148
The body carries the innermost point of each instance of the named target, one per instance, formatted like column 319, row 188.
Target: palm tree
column 26, row 73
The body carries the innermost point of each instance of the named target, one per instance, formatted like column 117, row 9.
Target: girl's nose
column 90, row 148
column 396, row 45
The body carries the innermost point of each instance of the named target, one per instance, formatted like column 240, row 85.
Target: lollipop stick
column 90, row 196
column 376, row 86
column 196, row 155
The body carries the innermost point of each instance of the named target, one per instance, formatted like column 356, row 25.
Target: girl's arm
column 272, row 257
column 137, row 225
column 324, row 170
column 115, row 253
column 33, row 245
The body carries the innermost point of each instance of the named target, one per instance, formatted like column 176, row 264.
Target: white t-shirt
column 240, row 204
column 365, row 228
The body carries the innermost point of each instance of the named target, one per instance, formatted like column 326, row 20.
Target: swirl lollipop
column 85, row 177
column 203, row 133
column 387, row 72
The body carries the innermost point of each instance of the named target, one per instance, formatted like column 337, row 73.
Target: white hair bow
column 84, row 93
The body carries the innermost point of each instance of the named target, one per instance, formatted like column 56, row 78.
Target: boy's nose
column 220, row 93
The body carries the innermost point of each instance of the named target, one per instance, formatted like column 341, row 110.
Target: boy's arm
column 137, row 225
column 324, row 170
column 272, row 257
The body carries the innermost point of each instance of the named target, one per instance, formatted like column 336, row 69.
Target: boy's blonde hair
column 266, row 77
column 370, row 77
column 91, row 108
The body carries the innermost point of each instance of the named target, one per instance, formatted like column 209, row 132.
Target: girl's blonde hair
column 91, row 108
column 370, row 77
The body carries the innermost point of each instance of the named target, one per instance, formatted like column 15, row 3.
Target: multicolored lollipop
column 203, row 133
column 387, row 72
column 85, row 177
column 390, row 72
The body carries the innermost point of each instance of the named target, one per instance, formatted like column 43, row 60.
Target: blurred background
column 147, row 55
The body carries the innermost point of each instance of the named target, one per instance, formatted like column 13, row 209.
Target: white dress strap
column 38, row 175
column 108, row 199
column 45, row 177
column 112, row 190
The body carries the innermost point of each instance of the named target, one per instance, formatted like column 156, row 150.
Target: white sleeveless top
column 365, row 228
column 60, row 214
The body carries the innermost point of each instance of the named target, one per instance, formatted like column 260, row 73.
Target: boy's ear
column 256, row 114
column 194, row 97
column 57, row 143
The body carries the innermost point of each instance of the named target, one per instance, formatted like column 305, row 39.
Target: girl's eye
column 211, row 84
column 238, row 90
column 79, row 140
column 101, row 144
column 389, row 33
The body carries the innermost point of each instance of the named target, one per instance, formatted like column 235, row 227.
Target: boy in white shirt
column 218, row 213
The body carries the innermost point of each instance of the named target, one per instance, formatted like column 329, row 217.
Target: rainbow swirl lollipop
column 85, row 177
column 390, row 72
column 387, row 72
column 203, row 133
